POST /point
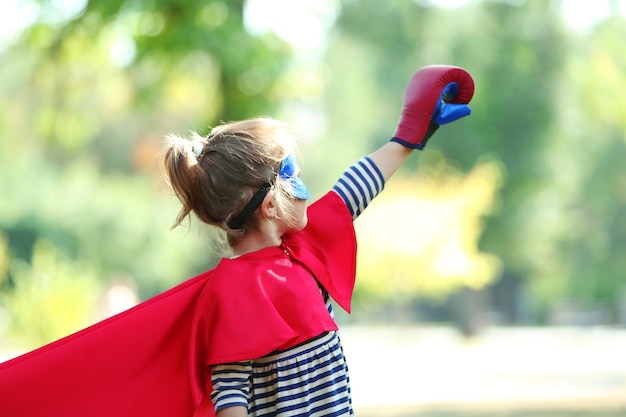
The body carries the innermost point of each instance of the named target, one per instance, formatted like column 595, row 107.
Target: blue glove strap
column 449, row 112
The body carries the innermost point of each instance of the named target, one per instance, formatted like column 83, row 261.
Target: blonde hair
column 215, row 177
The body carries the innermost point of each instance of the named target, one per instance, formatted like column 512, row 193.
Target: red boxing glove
column 436, row 95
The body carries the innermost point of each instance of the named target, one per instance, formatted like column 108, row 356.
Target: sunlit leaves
column 420, row 239
column 37, row 306
column 213, row 15
column 5, row 259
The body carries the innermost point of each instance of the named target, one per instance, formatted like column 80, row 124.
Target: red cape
column 152, row 360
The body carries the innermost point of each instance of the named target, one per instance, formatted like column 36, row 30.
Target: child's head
column 223, row 178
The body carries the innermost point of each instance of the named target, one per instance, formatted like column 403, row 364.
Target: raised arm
column 436, row 95
column 390, row 157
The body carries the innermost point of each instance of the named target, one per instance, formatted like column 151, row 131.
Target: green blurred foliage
column 588, row 177
column 89, row 91
column 436, row 252
column 53, row 294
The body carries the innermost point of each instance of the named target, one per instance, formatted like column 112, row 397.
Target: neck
column 265, row 236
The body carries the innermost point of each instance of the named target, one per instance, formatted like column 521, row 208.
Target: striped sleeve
column 359, row 184
column 231, row 385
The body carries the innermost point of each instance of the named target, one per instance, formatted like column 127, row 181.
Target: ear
column 269, row 210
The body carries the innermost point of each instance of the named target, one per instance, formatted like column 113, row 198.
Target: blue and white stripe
column 231, row 384
column 359, row 185
column 310, row 379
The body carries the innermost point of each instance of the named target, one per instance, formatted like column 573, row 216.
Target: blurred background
column 492, row 270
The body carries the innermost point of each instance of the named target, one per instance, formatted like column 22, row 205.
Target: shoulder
column 329, row 201
column 239, row 275
column 328, row 210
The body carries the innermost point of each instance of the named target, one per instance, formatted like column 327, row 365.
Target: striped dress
column 310, row 379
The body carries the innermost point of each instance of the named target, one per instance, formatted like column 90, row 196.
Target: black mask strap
column 251, row 207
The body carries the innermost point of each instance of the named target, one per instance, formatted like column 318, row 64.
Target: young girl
column 272, row 347
column 256, row 335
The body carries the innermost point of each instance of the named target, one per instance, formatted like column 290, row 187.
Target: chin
column 302, row 224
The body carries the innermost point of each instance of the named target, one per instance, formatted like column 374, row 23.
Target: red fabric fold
column 133, row 364
column 328, row 247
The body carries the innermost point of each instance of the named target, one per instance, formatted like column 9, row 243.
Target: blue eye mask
column 290, row 172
